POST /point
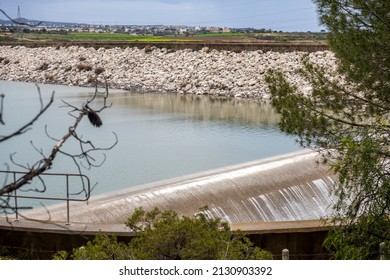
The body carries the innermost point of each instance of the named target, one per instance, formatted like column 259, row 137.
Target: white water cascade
column 285, row 188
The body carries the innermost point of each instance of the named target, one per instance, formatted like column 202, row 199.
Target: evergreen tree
column 346, row 117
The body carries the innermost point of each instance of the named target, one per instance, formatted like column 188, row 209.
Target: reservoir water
column 160, row 136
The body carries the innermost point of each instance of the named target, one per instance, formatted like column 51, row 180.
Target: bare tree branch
column 86, row 147
column 1, row 108
column 28, row 125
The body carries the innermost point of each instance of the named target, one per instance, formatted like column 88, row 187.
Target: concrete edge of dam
column 122, row 230
column 283, row 188
column 278, row 202
column 37, row 240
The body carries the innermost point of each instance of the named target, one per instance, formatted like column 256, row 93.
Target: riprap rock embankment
column 221, row 73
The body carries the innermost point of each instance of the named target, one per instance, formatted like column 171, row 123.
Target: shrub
column 43, row 67
column 4, row 60
column 99, row 70
column 84, row 67
column 167, row 236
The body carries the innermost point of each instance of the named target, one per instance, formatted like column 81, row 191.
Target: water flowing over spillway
column 284, row 188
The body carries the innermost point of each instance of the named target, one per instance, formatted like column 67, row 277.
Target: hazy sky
column 286, row 15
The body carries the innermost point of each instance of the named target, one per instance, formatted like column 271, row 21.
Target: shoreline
column 154, row 70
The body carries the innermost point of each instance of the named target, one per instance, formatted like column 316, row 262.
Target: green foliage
column 359, row 36
column 5, row 255
column 346, row 118
column 61, row 255
column 358, row 240
column 103, row 247
column 166, row 236
column 102, row 37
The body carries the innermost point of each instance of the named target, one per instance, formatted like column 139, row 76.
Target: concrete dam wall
column 290, row 187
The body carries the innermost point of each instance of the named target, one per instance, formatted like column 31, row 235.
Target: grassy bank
column 99, row 37
column 221, row 41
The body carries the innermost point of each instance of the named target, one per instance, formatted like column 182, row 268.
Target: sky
column 284, row 15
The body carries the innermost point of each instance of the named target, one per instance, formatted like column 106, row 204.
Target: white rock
column 206, row 71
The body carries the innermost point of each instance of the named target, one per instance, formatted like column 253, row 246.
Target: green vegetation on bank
column 223, row 34
column 164, row 235
column 96, row 37
column 346, row 119
column 64, row 36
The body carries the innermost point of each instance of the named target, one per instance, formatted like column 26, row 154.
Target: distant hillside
column 22, row 20
column 35, row 22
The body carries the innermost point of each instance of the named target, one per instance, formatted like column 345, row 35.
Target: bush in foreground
column 164, row 235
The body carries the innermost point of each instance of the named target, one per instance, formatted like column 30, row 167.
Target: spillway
column 284, row 188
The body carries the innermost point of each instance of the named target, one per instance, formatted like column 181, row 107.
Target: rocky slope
column 220, row 73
